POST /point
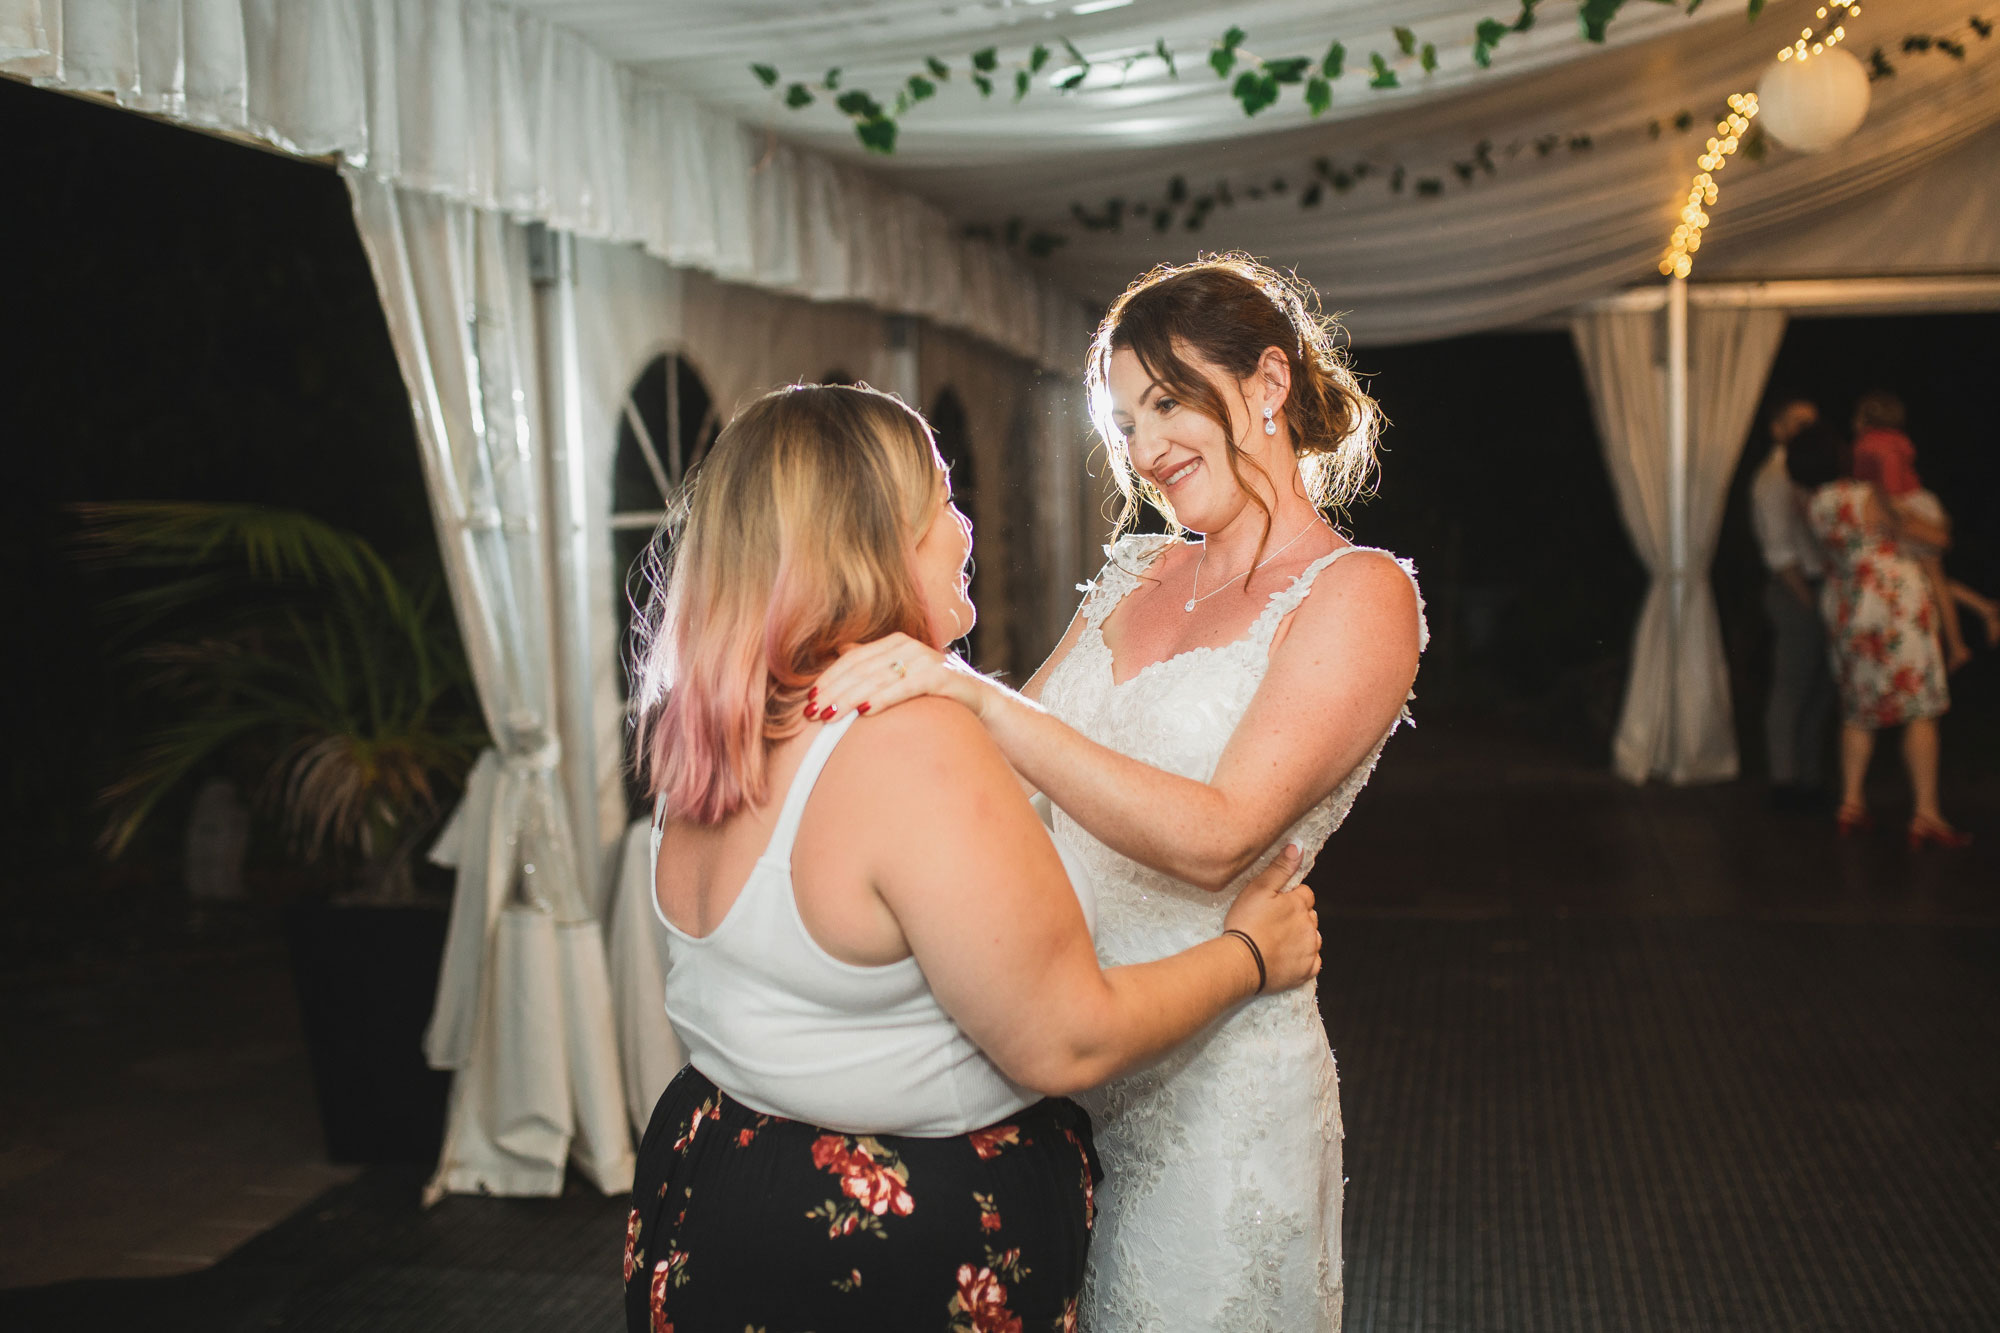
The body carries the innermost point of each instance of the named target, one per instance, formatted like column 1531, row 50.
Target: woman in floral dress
column 1882, row 628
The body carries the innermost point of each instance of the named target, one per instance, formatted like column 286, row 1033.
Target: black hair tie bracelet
column 1256, row 954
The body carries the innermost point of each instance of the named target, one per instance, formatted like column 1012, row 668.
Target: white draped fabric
column 648, row 1048
column 489, row 106
column 1677, row 722
column 523, row 1011
column 1539, row 234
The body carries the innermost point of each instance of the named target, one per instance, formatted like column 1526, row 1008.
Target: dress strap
column 786, row 830
column 1127, row 561
column 1286, row 600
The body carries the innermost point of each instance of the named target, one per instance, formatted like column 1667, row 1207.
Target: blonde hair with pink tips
column 794, row 540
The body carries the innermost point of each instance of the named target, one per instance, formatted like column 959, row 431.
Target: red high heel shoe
column 1852, row 819
column 1931, row 831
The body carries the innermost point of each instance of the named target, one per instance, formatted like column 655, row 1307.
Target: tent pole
column 553, row 266
column 1677, row 508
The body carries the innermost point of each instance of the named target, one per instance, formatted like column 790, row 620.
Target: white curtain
column 502, row 109
column 1677, row 722
column 1729, row 361
column 648, row 1048
column 523, row 1011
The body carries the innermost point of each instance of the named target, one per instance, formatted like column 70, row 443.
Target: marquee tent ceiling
column 1536, row 235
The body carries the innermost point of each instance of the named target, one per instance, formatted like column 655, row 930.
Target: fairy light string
column 1812, row 42
column 1678, row 260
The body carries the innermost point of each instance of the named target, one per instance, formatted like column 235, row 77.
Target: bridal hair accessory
column 1256, row 954
column 1194, row 601
column 1270, row 426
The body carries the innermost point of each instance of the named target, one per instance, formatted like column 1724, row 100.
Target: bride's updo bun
column 1225, row 310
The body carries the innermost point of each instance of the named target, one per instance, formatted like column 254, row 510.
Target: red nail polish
column 862, row 709
column 812, row 692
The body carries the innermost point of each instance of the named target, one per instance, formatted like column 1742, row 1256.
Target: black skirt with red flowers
column 748, row 1221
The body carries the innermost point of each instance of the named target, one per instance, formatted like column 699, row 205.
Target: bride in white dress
column 1210, row 702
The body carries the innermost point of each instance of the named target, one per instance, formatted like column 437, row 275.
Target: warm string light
column 1809, row 45
column 1677, row 262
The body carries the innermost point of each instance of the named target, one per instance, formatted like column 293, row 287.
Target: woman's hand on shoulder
column 872, row 677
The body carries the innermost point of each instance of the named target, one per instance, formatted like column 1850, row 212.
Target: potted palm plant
column 288, row 651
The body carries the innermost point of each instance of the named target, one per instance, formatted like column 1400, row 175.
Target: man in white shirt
column 1801, row 697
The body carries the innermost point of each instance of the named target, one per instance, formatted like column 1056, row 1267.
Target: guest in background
column 1884, row 456
column 1801, row 697
column 1883, row 627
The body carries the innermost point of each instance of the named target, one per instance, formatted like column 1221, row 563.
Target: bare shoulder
column 1368, row 592
column 919, row 746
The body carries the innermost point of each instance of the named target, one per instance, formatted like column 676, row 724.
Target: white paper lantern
column 1811, row 105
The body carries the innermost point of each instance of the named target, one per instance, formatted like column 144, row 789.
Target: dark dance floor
column 1611, row 1060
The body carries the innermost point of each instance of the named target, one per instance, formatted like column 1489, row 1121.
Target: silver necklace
column 1194, row 601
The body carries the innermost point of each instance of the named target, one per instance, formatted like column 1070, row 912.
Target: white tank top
column 786, row 1028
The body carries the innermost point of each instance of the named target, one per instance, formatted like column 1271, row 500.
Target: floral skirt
column 748, row 1221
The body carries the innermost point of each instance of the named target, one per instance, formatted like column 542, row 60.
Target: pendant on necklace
column 1190, row 605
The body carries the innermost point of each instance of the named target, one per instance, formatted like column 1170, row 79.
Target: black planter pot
column 366, row 977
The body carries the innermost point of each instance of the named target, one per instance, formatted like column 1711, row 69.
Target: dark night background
column 191, row 319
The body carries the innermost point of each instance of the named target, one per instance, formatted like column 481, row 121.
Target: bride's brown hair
column 1224, row 310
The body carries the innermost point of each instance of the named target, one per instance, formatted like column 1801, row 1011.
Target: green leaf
column 877, row 134
column 1334, row 62
column 1022, row 81
column 1428, row 58
column 921, row 88
column 1595, row 17
column 938, row 69
column 1384, row 76
column 766, row 75
column 1486, row 37
column 1074, row 54
column 1160, row 50
column 859, row 105
column 1406, row 41
column 1692, row 6
column 1234, row 38
column 1072, row 80
column 1290, row 70
column 832, row 79
column 798, row 95
column 1319, row 95
column 1527, row 15
column 1756, row 8
column 1430, row 186
column 984, row 84
column 1255, row 91
column 986, row 59
column 1038, row 58
column 1222, row 59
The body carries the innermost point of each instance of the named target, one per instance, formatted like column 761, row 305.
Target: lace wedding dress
column 1220, row 1209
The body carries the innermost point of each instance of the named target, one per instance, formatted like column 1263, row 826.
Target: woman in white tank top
column 879, row 966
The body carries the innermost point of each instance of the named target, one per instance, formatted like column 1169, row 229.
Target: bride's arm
column 1337, row 679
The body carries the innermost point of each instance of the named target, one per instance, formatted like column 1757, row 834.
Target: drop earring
column 1270, row 426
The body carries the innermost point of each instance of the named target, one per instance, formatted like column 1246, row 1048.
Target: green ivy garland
column 1179, row 206
column 1259, row 81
